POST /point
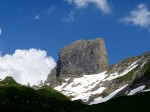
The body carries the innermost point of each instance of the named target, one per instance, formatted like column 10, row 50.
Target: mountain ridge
column 79, row 58
column 124, row 73
column 127, row 79
column 115, row 80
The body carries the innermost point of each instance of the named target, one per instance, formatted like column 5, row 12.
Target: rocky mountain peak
column 83, row 72
column 81, row 57
column 127, row 77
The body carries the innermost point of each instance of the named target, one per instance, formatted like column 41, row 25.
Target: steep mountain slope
column 125, row 78
column 83, row 72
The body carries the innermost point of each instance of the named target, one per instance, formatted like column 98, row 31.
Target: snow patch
column 143, row 64
column 138, row 89
column 90, row 85
column 81, row 88
column 145, row 90
column 116, row 75
column 101, row 99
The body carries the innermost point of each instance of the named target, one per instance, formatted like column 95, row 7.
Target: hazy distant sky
column 51, row 24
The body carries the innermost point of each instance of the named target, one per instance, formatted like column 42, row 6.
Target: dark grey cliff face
column 81, row 57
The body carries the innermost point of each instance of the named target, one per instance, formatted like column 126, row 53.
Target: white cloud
column 70, row 17
column 101, row 4
column 47, row 12
column 37, row 17
column 0, row 31
column 26, row 66
column 139, row 16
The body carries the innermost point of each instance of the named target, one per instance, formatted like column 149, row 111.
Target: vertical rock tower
column 80, row 58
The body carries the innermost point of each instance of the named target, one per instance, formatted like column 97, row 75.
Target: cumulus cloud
column 0, row 31
column 26, row 66
column 101, row 4
column 140, row 16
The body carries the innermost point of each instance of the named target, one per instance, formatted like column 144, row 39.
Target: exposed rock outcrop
column 80, row 58
column 124, row 78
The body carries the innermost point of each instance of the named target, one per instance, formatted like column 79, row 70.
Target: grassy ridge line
column 17, row 98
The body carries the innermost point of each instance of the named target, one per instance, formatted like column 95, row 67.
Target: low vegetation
column 137, row 103
column 18, row 98
column 9, row 81
column 146, row 75
column 126, row 77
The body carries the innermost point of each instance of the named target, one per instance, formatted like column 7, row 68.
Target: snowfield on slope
column 91, row 85
column 136, row 90
column 81, row 88
column 101, row 99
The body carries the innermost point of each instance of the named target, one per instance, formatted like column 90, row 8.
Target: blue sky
column 51, row 24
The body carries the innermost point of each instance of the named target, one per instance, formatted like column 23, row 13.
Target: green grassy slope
column 17, row 98
column 9, row 81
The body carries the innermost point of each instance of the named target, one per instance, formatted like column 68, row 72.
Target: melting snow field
column 101, row 99
column 116, row 75
column 90, row 85
column 81, row 88
column 145, row 90
column 138, row 89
